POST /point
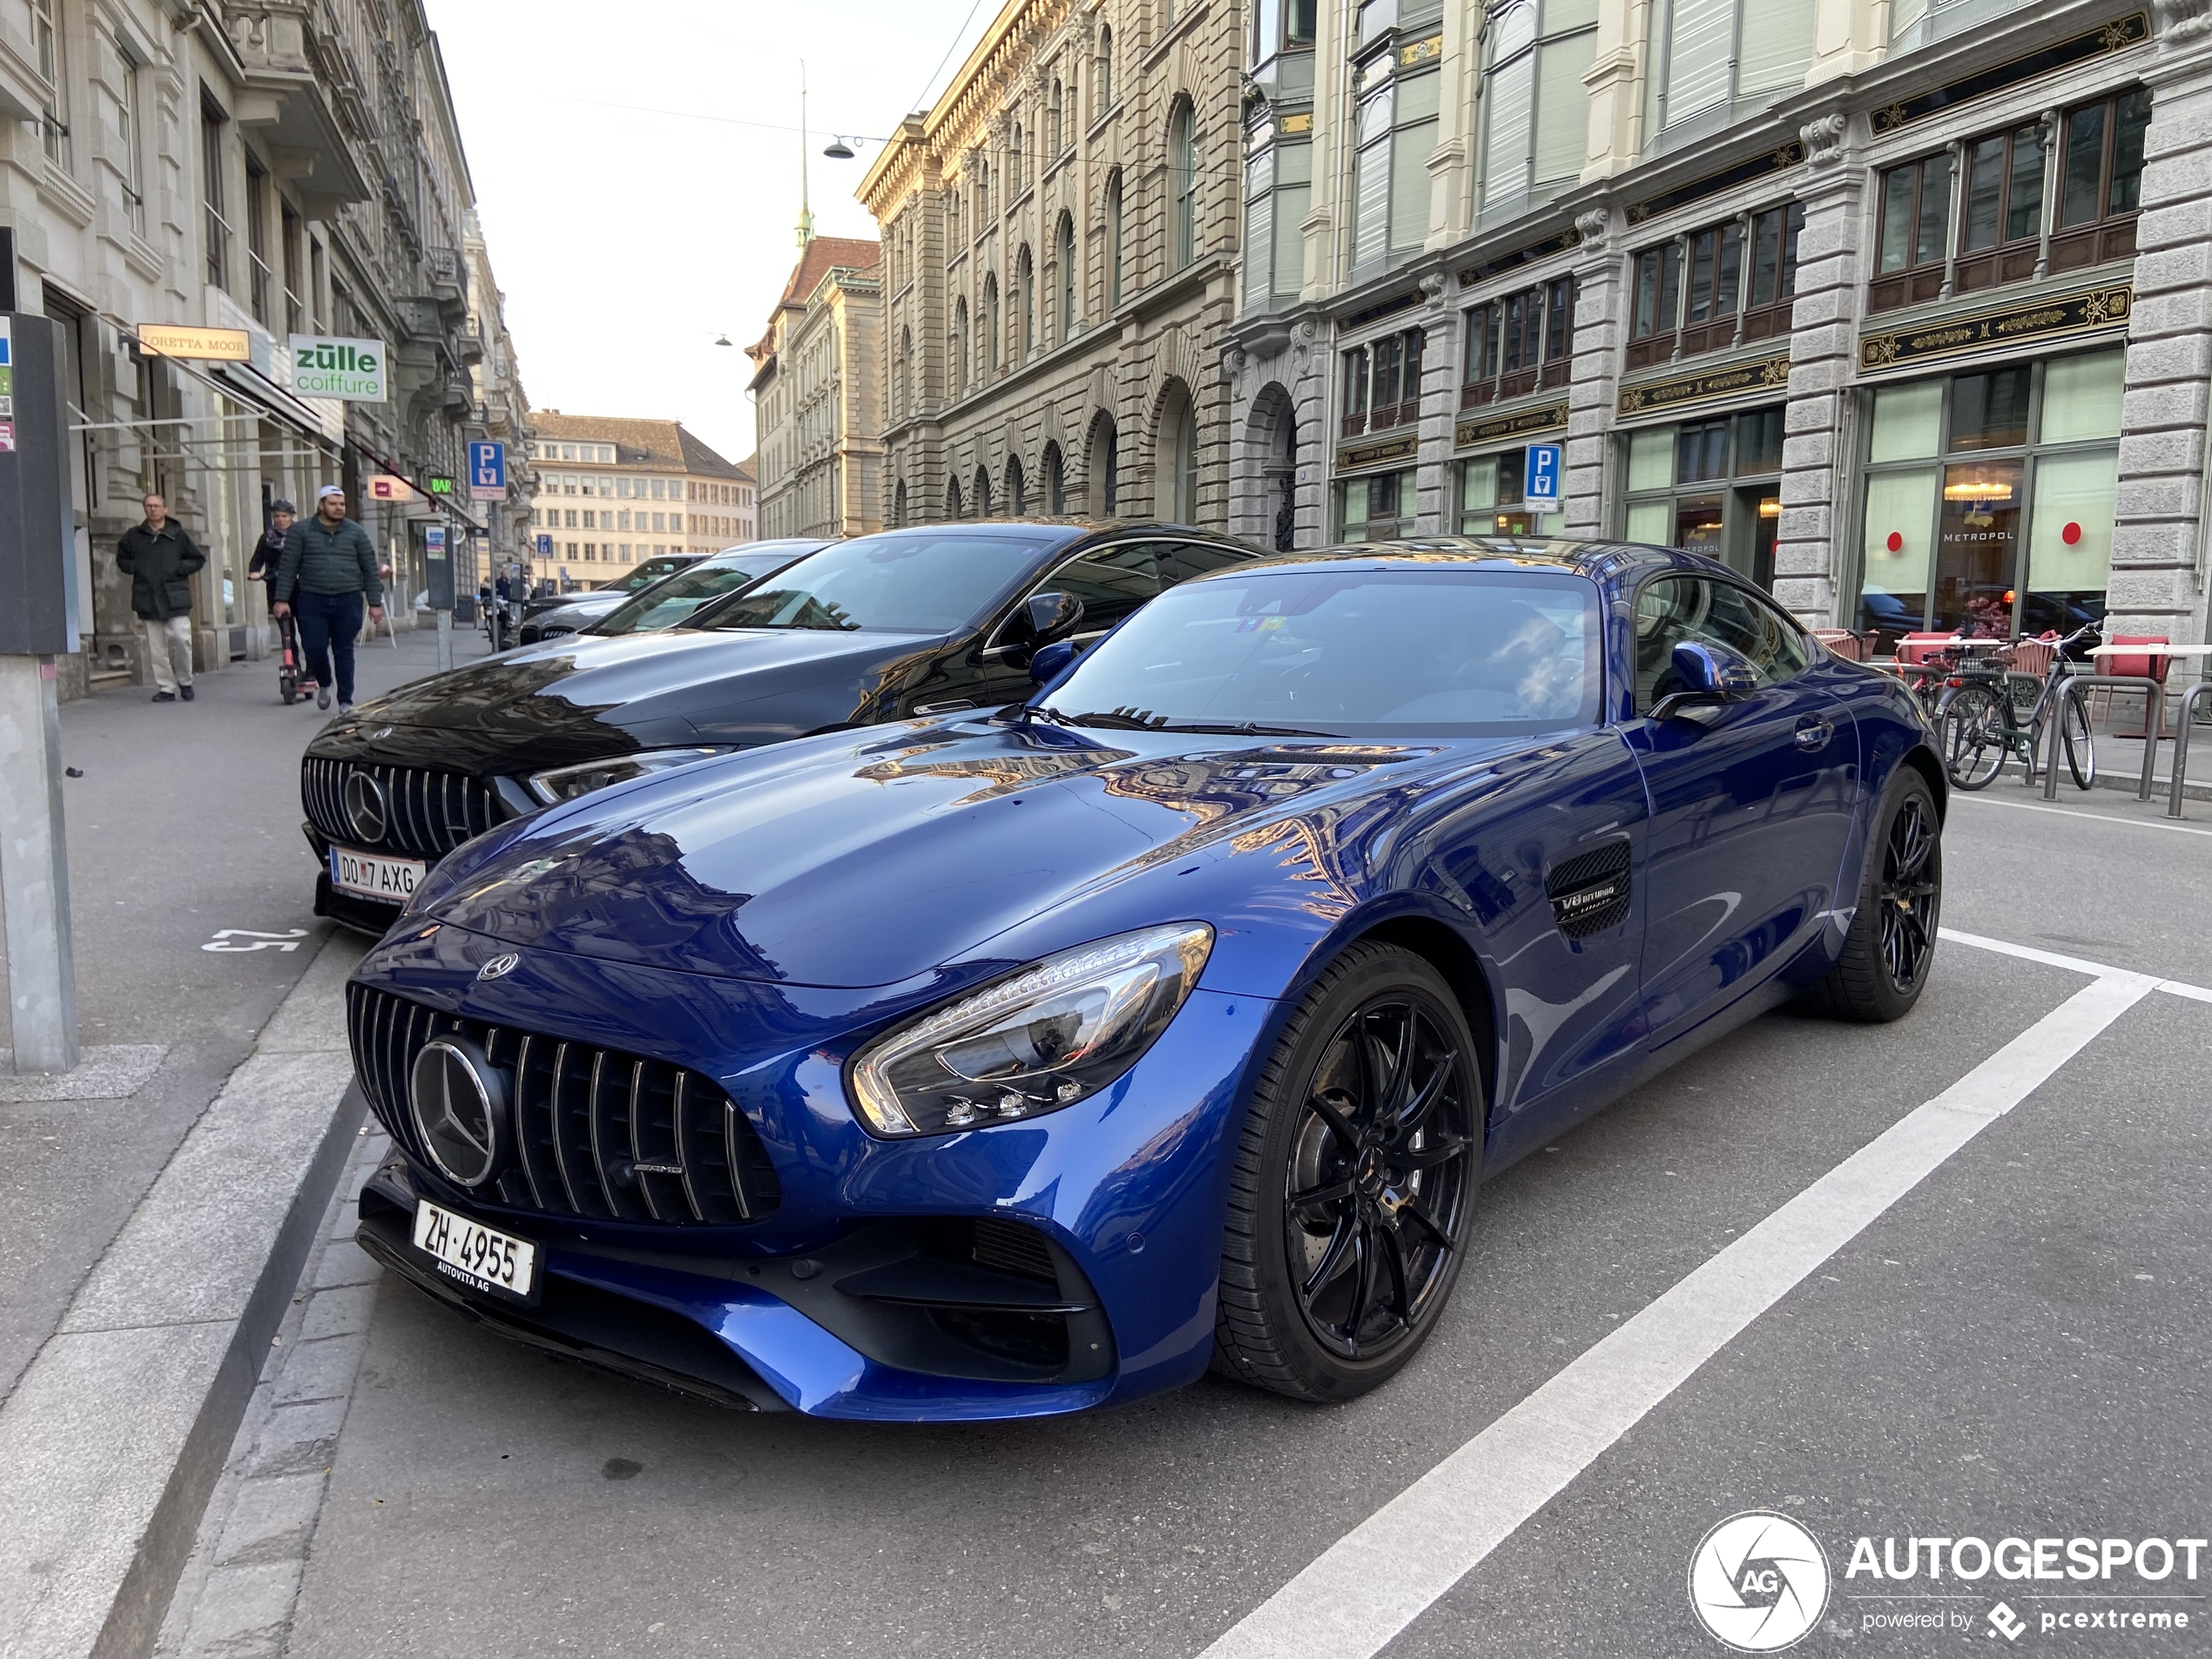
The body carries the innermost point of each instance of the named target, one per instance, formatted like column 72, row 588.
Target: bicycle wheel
column 2080, row 746
column 1973, row 738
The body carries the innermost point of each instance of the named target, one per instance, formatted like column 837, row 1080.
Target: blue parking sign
column 545, row 547
column 1540, row 486
column 486, row 471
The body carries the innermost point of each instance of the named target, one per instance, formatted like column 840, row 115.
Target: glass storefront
column 1989, row 497
column 1379, row 508
column 1711, row 486
column 1491, row 496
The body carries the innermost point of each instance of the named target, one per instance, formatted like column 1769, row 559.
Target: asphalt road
column 2014, row 1345
column 185, row 822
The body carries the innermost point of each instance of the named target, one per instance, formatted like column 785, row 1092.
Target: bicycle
column 1980, row 719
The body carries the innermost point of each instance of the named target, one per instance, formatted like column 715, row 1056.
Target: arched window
column 956, row 371
column 904, row 387
column 898, row 503
column 1179, row 454
column 1114, row 239
column 1015, row 155
column 1102, row 81
column 983, row 193
column 1055, row 487
column 1025, row 291
column 1067, row 278
column 991, row 338
column 1105, row 468
column 1183, row 166
column 1017, row 489
column 982, row 493
column 1052, row 128
column 953, row 508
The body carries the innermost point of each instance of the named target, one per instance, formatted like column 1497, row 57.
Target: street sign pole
column 35, row 580
column 437, row 565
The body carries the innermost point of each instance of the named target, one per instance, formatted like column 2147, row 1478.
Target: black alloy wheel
column 1355, row 1181
column 1890, row 943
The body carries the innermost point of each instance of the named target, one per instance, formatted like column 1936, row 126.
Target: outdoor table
column 2150, row 651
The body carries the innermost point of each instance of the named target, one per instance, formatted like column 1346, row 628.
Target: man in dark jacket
column 160, row 560
column 329, row 567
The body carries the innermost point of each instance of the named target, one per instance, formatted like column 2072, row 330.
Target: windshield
column 1367, row 653
column 644, row 575
column 908, row 583
column 668, row 602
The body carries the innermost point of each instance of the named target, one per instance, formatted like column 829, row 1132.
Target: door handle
column 1813, row 733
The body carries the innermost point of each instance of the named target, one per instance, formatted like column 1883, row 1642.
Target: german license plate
column 374, row 876
column 479, row 1256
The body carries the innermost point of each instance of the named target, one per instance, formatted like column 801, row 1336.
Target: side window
column 1111, row 582
column 1676, row 609
column 1180, row 561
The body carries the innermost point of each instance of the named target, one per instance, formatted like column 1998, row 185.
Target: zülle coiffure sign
column 327, row 366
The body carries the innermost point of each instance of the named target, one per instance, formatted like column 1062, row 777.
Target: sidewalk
column 152, row 1191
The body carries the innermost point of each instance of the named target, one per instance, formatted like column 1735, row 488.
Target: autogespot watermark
column 1760, row 1582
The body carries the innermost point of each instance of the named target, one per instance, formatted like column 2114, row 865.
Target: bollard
column 2202, row 688
column 2154, row 719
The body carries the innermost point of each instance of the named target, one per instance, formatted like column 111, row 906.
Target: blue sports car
column 988, row 1066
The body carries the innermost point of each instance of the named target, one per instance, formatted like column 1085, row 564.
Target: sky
column 627, row 239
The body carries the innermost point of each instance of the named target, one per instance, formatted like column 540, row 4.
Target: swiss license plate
column 476, row 1255
column 374, row 876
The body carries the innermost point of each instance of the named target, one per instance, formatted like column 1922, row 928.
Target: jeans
column 169, row 651
column 327, row 624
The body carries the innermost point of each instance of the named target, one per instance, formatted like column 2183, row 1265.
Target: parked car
column 879, row 628
column 598, row 602
column 983, row 1066
column 675, row 595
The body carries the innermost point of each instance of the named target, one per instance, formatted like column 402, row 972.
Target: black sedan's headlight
column 566, row 783
column 1060, row 1029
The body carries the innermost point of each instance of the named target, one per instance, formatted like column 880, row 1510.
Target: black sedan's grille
column 423, row 814
column 595, row 1133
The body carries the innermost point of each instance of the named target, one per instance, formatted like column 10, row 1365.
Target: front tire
column 1883, row 965
column 1973, row 738
column 2080, row 746
column 1353, row 1186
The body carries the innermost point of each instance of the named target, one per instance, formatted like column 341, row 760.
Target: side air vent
column 1589, row 891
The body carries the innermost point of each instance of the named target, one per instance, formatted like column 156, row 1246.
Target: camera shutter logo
column 1758, row 1583
column 456, row 1102
column 366, row 810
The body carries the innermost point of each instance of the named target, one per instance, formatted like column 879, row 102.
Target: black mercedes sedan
column 668, row 601
column 884, row 627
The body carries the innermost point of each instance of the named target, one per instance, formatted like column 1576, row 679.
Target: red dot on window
column 2070, row 535
column 1895, row 543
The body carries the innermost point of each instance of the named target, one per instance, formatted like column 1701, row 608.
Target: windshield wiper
column 1145, row 720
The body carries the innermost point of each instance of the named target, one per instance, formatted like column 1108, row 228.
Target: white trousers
column 169, row 651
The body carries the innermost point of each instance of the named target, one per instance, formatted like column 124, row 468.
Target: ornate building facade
column 1901, row 309
column 1059, row 234
column 817, row 393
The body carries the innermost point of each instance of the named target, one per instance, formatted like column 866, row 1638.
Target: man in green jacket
column 160, row 560
column 328, row 568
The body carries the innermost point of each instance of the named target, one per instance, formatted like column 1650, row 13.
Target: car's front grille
column 592, row 1133
column 424, row 814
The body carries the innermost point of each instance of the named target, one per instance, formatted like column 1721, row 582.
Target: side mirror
column 1046, row 666
column 1052, row 616
column 1706, row 676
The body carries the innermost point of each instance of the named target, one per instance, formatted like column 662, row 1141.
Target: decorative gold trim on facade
column 1769, row 373
column 1419, row 51
column 1525, row 422
column 1302, row 122
column 1374, row 455
column 2054, row 319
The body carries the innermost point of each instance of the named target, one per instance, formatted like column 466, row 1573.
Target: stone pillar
column 1440, row 326
column 1600, row 330
column 2158, row 541
column 1811, row 561
column 1312, row 385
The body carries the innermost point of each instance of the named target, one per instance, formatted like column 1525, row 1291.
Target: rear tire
column 1883, row 965
column 1974, row 740
column 2080, row 745
column 1353, row 1185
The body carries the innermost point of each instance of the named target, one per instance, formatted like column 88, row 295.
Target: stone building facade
column 612, row 492
column 1059, row 233
column 1899, row 308
column 817, row 393
column 265, row 167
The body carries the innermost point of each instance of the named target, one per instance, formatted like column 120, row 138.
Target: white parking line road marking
column 2076, row 964
column 1383, row 1575
column 2101, row 818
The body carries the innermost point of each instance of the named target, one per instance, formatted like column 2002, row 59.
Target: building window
column 1280, row 25
column 992, row 343
column 1052, row 123
column 1067, row 278
column 1394, row 130
column 53, row 118
column 1711, row 486
column 1989, row 497
column 1382, row 384
column 1378, row 508
column 2101, row 181
column 1537, row 129
column 129, row 137
column 982, row 493
column 1102, row 80
column 1277, row 185
column 957, row 369
column 2000, row 226
column 1114, row 239
column 259, row 281
column 1183, row 163
column 1713, row 54
column 1670, row 317
column 1491, row 500
column 1916, row 230
column 1179, row 456
column 1025, row 300
column 212, row 122
column 1055, row 483
column 902, row 391
column 1519, row 344
column 1017, row 488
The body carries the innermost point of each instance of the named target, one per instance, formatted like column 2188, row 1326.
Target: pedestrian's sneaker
column 185, row 691
column 165, row 697
column 322, row 697
column 345, row 708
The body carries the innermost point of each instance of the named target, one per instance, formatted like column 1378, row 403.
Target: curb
column 118, row 1431
column 2130, row 781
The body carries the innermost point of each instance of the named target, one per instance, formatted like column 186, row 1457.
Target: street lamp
column 838, row 149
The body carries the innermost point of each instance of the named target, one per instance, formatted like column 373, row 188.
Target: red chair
column 1843, row 643
column 2150, row 666
column 1915, row 648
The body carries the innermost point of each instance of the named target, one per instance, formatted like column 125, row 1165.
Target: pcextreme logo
column 1758, row 1581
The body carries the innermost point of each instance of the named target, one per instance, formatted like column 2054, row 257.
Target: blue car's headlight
column 1059, row 1029
column 566, row 783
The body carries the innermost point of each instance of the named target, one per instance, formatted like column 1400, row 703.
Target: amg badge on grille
column 1589, row 891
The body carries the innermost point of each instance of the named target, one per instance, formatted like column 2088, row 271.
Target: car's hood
column 631, row 680
column 860, row 859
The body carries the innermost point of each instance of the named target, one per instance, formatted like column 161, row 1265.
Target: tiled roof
column 661, row 444
column 822, row 255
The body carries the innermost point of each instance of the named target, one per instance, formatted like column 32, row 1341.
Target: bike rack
column 2154, row 720
column 2202, row 688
